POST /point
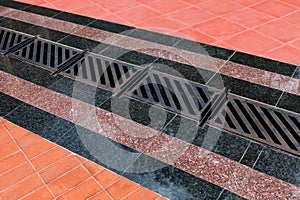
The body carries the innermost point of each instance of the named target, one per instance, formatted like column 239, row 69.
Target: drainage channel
column 247, row 118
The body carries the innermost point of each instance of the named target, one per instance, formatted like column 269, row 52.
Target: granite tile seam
column 239, row 71
column 195, row 160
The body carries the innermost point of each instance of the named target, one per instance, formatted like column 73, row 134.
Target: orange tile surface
column 29, row 172
column 237, row 24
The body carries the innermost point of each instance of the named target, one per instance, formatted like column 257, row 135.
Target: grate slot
column 260, row 122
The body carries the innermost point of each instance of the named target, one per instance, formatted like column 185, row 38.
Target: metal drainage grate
column 8, row 39
column 104, row 72
column 177, row 95
column 260, row 122
column 91, row 68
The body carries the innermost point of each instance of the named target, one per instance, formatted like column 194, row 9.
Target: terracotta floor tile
column 101, row 196
column 292, row 2
column 121, row 188
column 5, row 138
column 10, row 126
column 106, row 178
column 42, row 193
column 191, row 34
column 67, row 6
column 82, row 191
column 18, row 132
column 2, row 128
column 142, row 193
column 60, row 167
column 274, row 8
column 28, row 140
column 11, row 177
column 37, row 148
column 93, row 11
column 116, row 5
column 192, row 15
column 293, row 18
column 247, row 2
column 249, row 17
column 138, row 14
column 22, row 188
column 11, row 161
column 296, row 44
column 93, row 168
column 49, row 157
column 162, row 24
column 220, row 8
column 219, row 28
column 8, row 149
column 244, row 42
column 165, row 7
column 280, row 30
column 68, row 180
column 194, row 2
column 285, row 53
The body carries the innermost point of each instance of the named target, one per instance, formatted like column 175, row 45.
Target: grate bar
column 260, row 122
column 20, row 45
column 69, row 63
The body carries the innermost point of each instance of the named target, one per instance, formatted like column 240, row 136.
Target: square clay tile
column 280, row 30
column 219, row 28
column 274, row 8
column 192, row 15
column 165, row 7
column 293, row 18
column 220, row 7
column 138, row 14
column 249, row 17
column 285, row 53
column 251, row 42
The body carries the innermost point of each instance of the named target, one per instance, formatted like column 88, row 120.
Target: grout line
column 33, row 167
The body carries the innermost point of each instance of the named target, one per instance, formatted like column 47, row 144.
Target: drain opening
column 260, row 122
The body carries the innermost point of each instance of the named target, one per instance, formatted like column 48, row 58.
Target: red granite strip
column 195, row 160
column 202, row 61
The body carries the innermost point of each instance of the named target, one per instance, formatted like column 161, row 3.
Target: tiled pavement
column 177, row 162
column 234, row 24
column 34, row 168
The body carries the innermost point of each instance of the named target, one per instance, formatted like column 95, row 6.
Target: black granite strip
column 81, row 91
column 170, row 181
column 264, row 63
column 39, row 122
column 188, row 72
column 14, row 4
column 154, row 37
column 205, row 49
column 15, row 24
column 27, row 72
column 210, row 138
column 252, row 154
column 77, row 19
column 81, row 43
column 246, row 89
column 140, row 112
column 290, row 102
column 41, row 11
column 280, row 165
column 297, row 73
column 46, row 33
column 8, row 104
column 108, row 50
